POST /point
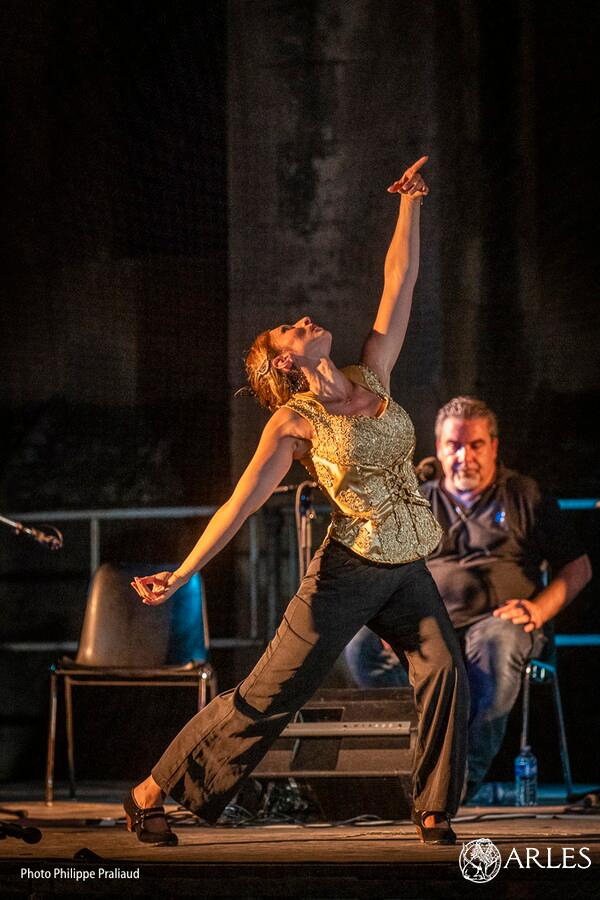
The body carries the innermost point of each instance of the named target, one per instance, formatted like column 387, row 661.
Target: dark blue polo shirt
column 493, row 551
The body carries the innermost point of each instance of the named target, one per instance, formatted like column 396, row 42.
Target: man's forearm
column 564, row 587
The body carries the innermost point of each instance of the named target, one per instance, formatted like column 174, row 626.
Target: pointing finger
column 417, row 165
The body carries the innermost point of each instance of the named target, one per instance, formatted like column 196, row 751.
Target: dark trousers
column 495, row 652
column 206, row 763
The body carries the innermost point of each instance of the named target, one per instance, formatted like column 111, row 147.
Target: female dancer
column 358, row 444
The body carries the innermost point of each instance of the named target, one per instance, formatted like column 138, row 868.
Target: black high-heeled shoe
column 137, row 816
column 434, row 834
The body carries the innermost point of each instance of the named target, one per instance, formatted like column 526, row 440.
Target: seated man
column 499, row 530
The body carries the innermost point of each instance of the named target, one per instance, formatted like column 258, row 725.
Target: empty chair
column 124, row 642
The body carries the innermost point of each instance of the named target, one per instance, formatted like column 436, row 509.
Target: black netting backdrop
column 114, row 389
column 115, row 293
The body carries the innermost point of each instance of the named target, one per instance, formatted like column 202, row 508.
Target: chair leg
column 70, row 740
column 526, row 696
column 562, row 738
column 202, row 689
column 206, row 684
column 49, row 793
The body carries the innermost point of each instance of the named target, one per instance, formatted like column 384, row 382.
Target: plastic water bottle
column 525, row 778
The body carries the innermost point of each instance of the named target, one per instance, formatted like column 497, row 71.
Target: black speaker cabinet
column 353, row 750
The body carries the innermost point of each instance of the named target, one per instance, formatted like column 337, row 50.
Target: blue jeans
column 495, row 651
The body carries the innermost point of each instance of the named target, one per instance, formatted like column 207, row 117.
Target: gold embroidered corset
column 365, row 466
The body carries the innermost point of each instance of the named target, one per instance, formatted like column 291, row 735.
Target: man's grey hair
column 466, row 408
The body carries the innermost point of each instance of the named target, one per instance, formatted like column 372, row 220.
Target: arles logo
column 480, row 860
column 549, row 858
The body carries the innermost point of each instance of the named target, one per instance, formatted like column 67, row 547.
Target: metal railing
column 579, row 503
column 95, row 517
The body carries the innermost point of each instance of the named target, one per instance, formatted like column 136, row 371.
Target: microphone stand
column 52, row 541
column 304, row 519
column 304, row 515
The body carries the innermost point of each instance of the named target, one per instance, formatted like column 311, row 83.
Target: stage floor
column 366, row 859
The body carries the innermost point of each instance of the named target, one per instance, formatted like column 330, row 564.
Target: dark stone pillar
column 328, row 103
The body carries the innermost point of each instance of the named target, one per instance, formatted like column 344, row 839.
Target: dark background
column 179, row 176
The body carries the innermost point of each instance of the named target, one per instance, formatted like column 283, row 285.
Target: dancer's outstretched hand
column 412, row 182
column 155, row 589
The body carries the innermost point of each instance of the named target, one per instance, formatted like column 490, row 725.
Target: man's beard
column 467, row 481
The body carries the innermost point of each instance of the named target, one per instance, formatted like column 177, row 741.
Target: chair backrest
column 120, row 630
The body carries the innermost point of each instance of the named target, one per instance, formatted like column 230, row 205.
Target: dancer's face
column 467, row 451
column 301, row 341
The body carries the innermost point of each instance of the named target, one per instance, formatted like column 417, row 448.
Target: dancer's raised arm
column 383, row 345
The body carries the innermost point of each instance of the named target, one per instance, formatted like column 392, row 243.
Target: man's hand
column 521, row 612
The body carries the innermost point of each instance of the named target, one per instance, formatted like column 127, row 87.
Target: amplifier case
column 350, row 776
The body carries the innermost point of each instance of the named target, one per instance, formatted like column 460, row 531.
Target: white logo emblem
column 480, row 860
